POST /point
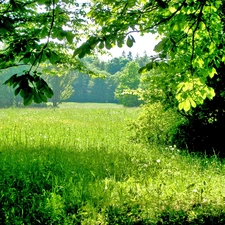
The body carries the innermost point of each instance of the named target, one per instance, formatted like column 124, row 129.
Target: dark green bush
column 205, row 125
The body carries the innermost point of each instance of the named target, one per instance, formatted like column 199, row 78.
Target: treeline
column 109, row 82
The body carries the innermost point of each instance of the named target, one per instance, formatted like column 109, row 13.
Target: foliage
column 8, row 97
column 99, row 88
column 191, row 35
column 204, row 127
column 60, row 80
column 129, row 79
column 6, row 94
column 155, row 125
column 116, row 64
column 32, row 32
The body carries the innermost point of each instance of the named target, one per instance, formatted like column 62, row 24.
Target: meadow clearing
column 77, row 165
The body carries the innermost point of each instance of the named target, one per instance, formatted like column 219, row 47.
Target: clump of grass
column 76, row 166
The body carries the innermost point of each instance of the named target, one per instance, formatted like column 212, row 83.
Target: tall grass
column 76, row 165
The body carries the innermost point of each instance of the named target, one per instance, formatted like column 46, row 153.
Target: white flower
column 158, row 160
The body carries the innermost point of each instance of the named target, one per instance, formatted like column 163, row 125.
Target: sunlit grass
column 76, row 165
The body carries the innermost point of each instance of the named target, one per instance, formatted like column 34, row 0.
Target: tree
column 129, row 80
column 192, row 37
column 80, row 87
column 116, row 64
column 33, row 32
column 60, row 80
column 130, row 56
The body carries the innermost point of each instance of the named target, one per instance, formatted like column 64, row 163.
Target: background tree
column 80, row 87
column 129, row 80
column 60, row 80
column 116, row 64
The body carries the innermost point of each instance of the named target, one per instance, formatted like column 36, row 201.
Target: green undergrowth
column 77, row 166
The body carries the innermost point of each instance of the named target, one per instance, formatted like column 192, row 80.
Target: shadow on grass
column 52, row 186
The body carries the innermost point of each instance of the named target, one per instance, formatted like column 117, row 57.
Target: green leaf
column 43, row 97
column 211, row 93
column 101, row 45
column 37, row 98
column 186, row 105
column 69, row 37
column 212, row 72
column 193, row 104
column 108, row 45
column 77, row 51
column 120, row 42
column 17, row 91
column 82, row 54
column 130, row 41
column 49, row 93
column 28, row 99
column 53, row 58
column 93, row 41
column 160, row 46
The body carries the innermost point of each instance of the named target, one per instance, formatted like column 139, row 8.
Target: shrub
column 156, row 125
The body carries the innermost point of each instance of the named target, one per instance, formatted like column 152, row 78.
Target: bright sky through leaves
column 142, row 44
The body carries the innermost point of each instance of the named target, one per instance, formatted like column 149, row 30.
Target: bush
column 205, row 125
column 156, row 125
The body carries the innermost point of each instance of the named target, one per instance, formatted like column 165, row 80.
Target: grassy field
column 76, row 165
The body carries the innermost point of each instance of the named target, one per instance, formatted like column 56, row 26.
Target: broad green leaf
column 53, row 58
column 77, row 51
column 193, row 104
column 181, row 105
column 17, row 91
column 28, row 99
column 160, row 46
column 82, row 54
column 108, row 45
column 69, row 37
column 129, row 41
column 101, row 45
column 36, row 98
column 186, row 105
column 120, row 42
column 212, row 72
column 43, row 97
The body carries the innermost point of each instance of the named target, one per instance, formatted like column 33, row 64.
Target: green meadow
column 77, row 164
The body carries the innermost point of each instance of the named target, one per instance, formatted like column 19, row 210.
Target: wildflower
column 158, row 160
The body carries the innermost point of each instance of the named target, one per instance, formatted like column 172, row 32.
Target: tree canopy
column 33, row 32
column 191, row 33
